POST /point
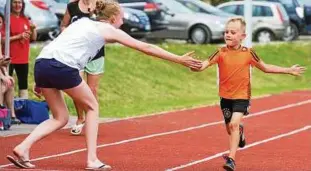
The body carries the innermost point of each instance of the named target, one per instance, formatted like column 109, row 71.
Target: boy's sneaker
column 242, row 137
column 230, row 164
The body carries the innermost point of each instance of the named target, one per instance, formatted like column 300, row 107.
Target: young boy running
column 234, row 63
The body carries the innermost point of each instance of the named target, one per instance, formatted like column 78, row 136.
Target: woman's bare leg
column 93, row 82
column 79, row 108
column 83, row 95
column 57, row 105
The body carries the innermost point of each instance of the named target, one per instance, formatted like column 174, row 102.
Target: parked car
column 40, row 14
column 198, row 28
column 136, row 22
column 2, row 6
column 38, row 11
column 306, row 4
column 155, row 11
column 299, row 15
column 270, row 20
column 202, row 7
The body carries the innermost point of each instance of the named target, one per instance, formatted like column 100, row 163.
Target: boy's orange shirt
column 234, row 71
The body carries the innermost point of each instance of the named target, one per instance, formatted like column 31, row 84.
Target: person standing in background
column 22, row 31
column 77, row 9
column 6, row 83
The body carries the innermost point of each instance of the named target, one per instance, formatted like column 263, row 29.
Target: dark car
column 299, row 16
column 136, row 22
column 155, row 11
column 307, row 13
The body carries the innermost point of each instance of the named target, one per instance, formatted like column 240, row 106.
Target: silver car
column 185, row 24
column 203, row 7
column 270, row 20
column 40, row 14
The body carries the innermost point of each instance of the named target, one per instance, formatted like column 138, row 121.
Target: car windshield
column 211, row 9
column 174, row 6
column 62, row 1
column 289, row 5
column 304, row 2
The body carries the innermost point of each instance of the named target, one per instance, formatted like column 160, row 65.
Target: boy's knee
column 233, row 126
column 228, row 129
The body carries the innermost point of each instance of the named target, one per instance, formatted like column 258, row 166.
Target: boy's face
column 234, row 34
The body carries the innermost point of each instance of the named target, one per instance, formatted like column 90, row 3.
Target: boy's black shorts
column 228, row 106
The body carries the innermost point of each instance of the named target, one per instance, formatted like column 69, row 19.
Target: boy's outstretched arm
column 295, row 70
column 213, row 59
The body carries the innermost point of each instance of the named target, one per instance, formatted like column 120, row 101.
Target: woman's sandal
column 103, row 167
column 77, row 129
column 19, row 162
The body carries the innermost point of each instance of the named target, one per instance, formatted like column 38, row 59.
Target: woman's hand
column 188, row 61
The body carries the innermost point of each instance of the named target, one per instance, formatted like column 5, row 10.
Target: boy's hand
column 204, row 65
column 188, row 61
column 296, row 70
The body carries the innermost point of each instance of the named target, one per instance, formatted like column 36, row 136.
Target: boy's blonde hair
column 105, row 9
column 238, row 19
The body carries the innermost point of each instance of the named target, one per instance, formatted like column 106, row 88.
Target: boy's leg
column 234, row 137
column 233, row 111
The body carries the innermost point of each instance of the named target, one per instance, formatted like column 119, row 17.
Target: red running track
column 171, row 146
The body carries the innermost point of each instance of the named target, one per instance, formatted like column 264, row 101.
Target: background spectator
column 22, row 31
column 7, row 83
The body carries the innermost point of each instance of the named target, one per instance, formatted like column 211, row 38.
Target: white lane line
column 246, row 147
column 167, row 133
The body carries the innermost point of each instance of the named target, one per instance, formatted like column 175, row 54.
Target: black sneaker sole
column 242, row 144
column 228, row 168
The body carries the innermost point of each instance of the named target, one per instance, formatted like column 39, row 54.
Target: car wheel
column 264, row 36
column 200, row 34
column 291, row 32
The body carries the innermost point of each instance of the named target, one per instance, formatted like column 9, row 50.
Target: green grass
column 135, row 84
